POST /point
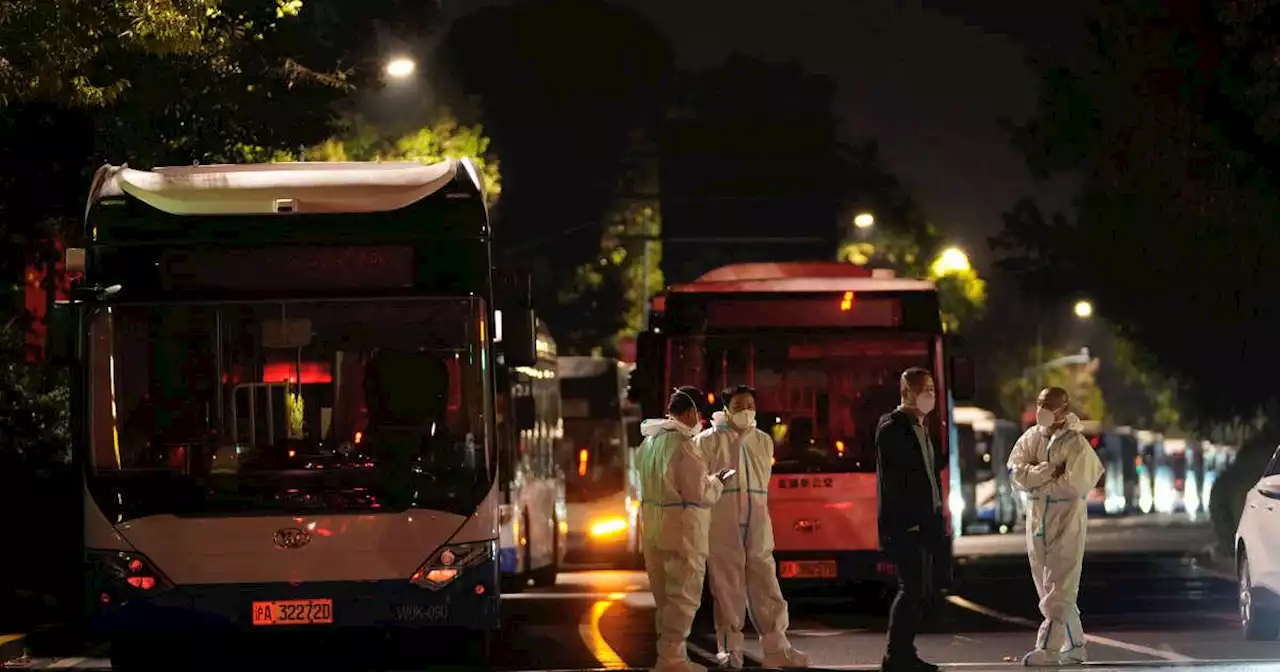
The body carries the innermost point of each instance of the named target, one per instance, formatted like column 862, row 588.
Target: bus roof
column 283, row 188
column 799, row 277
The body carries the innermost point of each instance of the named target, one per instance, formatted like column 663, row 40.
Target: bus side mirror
column 63, row 334
column 526, row 415
column 962, row 378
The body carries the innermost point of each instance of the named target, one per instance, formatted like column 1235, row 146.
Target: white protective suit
column 743, row 572
column 677, row 492
column 1057, row 519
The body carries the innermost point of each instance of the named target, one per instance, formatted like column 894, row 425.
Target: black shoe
column 906, row 664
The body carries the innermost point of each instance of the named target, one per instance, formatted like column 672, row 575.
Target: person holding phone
column 678, row 490
column 741, row 562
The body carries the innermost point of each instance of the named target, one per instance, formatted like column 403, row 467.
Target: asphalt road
column 1145, row 601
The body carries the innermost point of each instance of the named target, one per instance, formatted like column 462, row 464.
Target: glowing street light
column 400, row 67
column 864, row 220
column 952, row 260
column 1084, row 309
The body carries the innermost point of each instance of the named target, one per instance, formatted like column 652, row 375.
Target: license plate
column 293, row 612
column 808, row 569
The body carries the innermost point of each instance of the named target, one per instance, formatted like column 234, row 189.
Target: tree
column 630, row 264
column 1175, row 147
column 961, row 291
column 361, row 141
column 564, row 126
column 1020, row 387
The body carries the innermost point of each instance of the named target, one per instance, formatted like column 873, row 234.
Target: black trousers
column 914, row 557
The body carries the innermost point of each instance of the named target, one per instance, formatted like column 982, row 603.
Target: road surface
column 1145, row 600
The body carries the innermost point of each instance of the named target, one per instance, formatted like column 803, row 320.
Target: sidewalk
column 1152, row 533
column 23, row 616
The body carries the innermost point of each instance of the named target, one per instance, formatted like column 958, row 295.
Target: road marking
column 1096, row 639
column 589, row 630
column 64, row 663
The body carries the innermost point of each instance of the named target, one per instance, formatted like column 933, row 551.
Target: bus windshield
column 599, row 467
column 819, row 396
column 277, row 406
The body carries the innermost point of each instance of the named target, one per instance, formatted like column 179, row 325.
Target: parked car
column 1258, row 556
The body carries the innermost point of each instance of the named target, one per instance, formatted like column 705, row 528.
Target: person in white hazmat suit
column 677, row 492
column 743, row 574
column 1054, row 464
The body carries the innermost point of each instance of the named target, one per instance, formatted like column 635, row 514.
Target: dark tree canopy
column 562, row 114
column 1173, row 129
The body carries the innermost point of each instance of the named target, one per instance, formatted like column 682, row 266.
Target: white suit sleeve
column 1082, row 473
column 692, row 480
column 1025, row 474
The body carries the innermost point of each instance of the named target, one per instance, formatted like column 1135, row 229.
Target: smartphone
column 726, row 474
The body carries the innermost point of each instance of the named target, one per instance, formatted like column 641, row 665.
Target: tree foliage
column 1020, row 387
column 1174, row 133
column 68, row 51
column 962, row 292
column 634, row 227
column 361, row 141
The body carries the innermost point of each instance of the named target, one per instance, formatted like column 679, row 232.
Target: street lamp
column 952, row 260
column 1084, row 309
column 864, row 220
column 400, row 67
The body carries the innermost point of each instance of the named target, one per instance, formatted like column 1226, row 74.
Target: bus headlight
column 450, row 562
column 120, row 576
column 605, row 528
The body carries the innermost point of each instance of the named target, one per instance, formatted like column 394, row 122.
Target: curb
column 1213, row 562
column 12, row 647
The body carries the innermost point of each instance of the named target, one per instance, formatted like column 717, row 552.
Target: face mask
column 1045, row 418
column 924, row 403
column 744, row 419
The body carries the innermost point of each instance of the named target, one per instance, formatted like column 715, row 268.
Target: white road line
column 1096, row 639
column 66, row 663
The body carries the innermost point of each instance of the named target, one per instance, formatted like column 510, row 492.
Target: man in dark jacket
column 909, row 506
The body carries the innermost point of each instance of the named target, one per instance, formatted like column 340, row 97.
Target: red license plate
column 807, row 569
column 293, row 612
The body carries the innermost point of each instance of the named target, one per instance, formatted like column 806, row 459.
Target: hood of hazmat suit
column 1056, row 469
column 741, row 564
column 677, row 492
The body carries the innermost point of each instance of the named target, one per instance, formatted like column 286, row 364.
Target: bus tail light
column 121, row 576
column 450, row 562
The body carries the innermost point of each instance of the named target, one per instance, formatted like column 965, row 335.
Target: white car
column 1258, row 556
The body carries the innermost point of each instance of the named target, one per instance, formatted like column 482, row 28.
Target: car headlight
column 608, row 527
column 120, row 576
column 450, row 562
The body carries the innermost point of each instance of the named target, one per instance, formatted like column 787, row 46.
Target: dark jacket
column 903, row 497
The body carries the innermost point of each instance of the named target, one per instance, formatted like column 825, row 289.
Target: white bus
column 533, row 515
column 284, row 402
column 602, row 428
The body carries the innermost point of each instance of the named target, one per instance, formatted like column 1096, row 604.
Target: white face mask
column 1045, row 418
column 925, row 402
column 744, row 419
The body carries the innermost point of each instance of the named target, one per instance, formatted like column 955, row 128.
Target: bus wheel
column 546, row 576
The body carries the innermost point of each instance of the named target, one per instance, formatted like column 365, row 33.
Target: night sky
column 927, row 80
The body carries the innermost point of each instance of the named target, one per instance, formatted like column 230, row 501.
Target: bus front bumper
column 802, row 571
column 470, row 603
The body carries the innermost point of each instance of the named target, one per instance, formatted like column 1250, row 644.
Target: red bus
column 824, row 345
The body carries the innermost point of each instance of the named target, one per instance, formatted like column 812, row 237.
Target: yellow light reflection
column 595, row 641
